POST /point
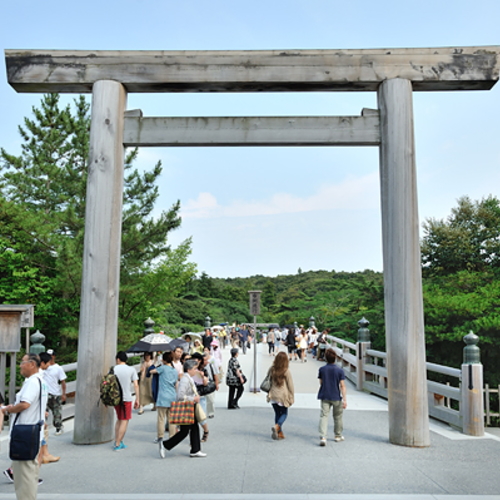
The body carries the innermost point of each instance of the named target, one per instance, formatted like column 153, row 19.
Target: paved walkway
column 244, row 463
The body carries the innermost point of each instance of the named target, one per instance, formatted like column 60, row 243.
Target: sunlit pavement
column 244, row 463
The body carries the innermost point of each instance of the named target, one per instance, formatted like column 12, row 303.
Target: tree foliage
column 467, row 240
column 461, row 290
column 42, row 208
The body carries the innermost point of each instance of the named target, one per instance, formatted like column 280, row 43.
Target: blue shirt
column 168, row 377
column 330, row 376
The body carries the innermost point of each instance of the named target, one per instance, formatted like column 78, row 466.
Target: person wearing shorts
column 126, row 376
column 290, row 343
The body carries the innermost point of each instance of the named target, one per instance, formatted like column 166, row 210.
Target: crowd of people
column 193, row 372
column 196, row 373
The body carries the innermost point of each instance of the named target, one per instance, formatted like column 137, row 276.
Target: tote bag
column 182, row 413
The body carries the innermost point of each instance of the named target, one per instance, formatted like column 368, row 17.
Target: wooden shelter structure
column 393, row 73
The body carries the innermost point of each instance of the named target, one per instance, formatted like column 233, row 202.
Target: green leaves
column 42, row 210
column 468, row 240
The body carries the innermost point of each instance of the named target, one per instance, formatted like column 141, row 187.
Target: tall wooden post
column 101, row 262
column 404, row 317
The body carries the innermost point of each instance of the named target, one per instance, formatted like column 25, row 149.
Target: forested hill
column 336, row 300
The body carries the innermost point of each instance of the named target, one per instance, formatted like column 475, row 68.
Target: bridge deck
column 244, row 463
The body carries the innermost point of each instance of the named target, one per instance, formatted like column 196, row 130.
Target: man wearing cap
column 55, row 378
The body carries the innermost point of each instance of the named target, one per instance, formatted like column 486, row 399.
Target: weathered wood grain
column 66, row 71
column 252, row 131
column 101, row 262
column 404, row 315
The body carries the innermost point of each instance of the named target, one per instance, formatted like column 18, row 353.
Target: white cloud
column 352, row 193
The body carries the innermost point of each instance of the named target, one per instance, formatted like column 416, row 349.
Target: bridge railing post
column 362, row 345
column 472, row 407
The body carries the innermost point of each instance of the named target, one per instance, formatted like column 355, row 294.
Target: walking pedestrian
column 302, row 345
column 126, row 376
column 333, row 396
column 186, row 390
column 200, row 378
column 145, row 383
column 290, row 343
column 235, row 380
column 29, row 408
column 55, row 378
column 270, row 341
column 281, row 395
column 167, row 383
column 277, row 340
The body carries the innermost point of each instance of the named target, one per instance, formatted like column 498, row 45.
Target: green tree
column 42, row 207
column 269, row 294
column 469, row 239
column 461, row 291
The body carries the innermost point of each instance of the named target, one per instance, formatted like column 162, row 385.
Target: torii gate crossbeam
column 393, row 73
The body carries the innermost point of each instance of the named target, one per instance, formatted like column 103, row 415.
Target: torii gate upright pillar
column 101, row 262
column 404, row 311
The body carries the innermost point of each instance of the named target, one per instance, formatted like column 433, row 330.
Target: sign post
column 255, row 311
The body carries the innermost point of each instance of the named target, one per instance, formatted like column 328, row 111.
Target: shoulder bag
column 25, row 438
column 266, row 383
column 199, row 412
column 181, row 413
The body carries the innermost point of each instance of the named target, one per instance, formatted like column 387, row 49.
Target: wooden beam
column 449, row 68
column 252, row 131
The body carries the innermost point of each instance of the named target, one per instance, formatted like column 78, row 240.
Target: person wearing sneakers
column 126, row 376
column 29, row 408
column 333, row 396
column 45, row 457
column 281, row 395
column 186, row 391
column 55, row 378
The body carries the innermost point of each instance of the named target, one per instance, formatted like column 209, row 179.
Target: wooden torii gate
column 393, row 73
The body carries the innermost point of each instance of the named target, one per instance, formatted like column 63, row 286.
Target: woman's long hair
column 279, row 368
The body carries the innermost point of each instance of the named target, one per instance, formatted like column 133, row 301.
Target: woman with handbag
column 234, row 380
column 201, row 380
column 186, row 391
column 281, row 393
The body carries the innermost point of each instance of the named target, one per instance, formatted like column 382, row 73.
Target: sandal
column 204, row 439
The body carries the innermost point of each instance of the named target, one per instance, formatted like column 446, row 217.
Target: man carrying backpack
column 126, row 375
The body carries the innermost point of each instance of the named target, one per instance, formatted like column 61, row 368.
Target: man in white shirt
column 30, row 404
column 177, row 361
column 55, row 379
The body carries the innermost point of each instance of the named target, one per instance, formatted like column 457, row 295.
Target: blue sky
column 272, row 210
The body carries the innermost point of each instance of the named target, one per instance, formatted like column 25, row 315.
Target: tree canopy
column 42, row 207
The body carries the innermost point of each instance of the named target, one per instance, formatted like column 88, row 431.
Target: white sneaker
column 198, row 454
column 322, row 441
column 58, row 432
column 161, row 449
column 338, row 438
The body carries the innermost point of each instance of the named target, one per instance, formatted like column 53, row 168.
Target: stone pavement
column 244, row 463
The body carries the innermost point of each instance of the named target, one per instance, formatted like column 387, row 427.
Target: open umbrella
column 151, row 343
column 194, row 336
column 178, row 343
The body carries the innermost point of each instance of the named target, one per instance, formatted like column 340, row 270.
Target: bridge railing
column 458, row 403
